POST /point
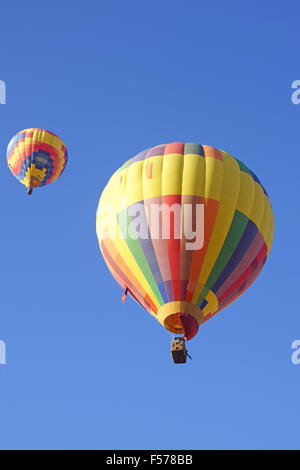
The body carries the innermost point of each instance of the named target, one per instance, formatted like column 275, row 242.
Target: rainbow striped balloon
column 180, row 283
column 36, row 157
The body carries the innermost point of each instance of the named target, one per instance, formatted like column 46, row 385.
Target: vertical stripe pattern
column 142, row 217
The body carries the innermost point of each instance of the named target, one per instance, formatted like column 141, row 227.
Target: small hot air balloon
column 36, row 157
column 184, row 277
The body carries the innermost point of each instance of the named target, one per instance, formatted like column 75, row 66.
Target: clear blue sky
column 113, row 78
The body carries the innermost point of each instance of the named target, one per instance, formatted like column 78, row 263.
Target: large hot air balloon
column 185, row 229
column 36, row 157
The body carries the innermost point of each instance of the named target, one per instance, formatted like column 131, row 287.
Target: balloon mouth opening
column 182, row 323
column 34, row 182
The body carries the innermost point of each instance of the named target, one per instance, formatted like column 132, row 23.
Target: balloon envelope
column 36, row 157
column 186, row 228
